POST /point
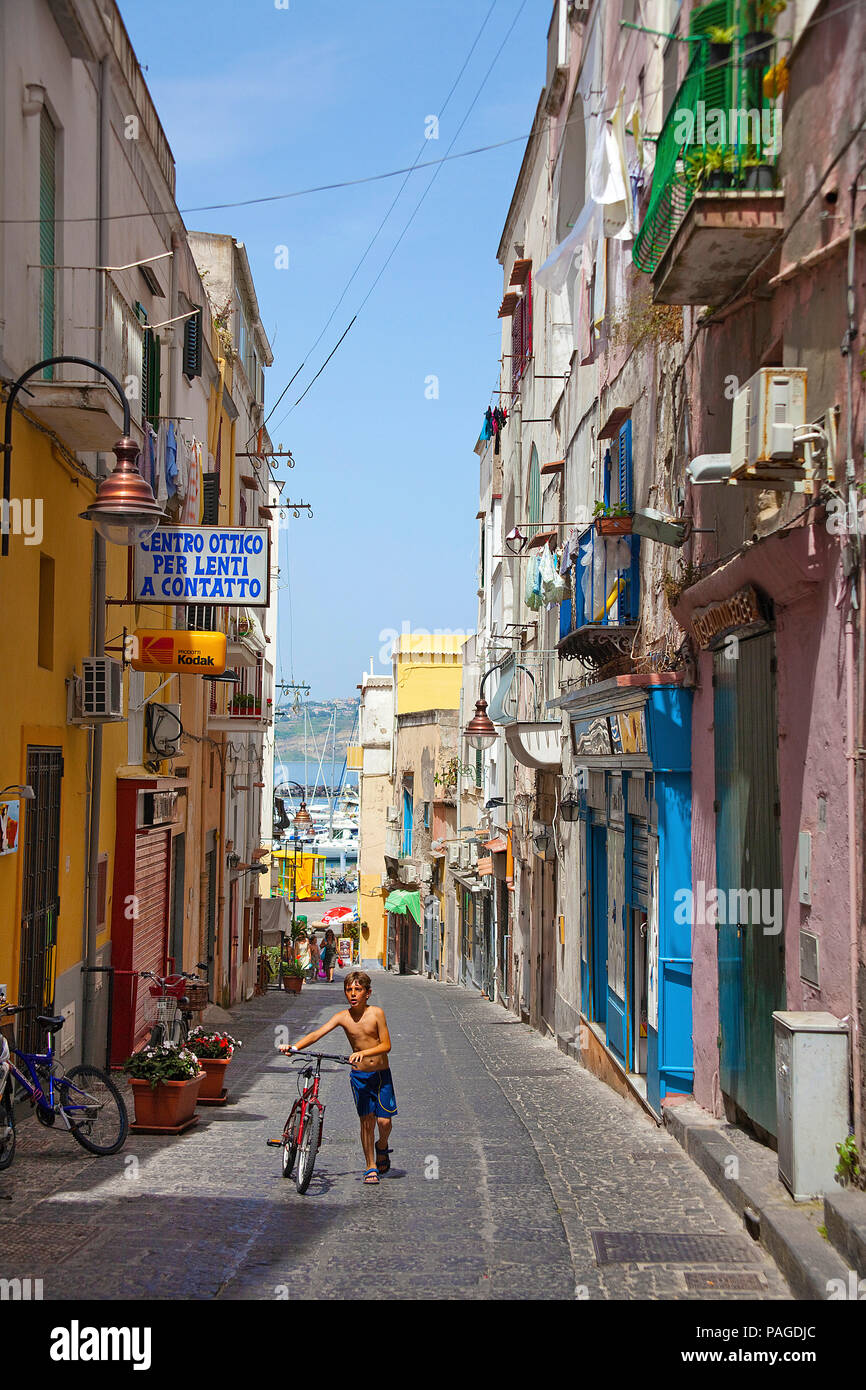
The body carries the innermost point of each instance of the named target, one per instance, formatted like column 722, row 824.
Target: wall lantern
column 124, row 510
column 480, row 732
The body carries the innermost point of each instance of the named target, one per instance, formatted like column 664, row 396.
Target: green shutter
column 717, row 87
column 534, row 493
column 47, row 214
column 150, row 371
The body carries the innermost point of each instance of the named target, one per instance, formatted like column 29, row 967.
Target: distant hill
column 289, row 730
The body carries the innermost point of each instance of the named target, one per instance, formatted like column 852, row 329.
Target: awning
column 402, row 901
column 536, row 743
column 274, row 920
column 495, row 710
column 498, row 845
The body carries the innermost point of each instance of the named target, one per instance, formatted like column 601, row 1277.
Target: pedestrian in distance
column 314, row 956
column 329, row 954
column 366, row 1028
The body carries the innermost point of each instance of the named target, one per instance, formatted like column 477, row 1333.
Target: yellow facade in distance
column 428, row 671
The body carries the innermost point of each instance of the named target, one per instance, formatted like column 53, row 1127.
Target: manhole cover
column 658, row 1247
column 31, row 1244
column 727, row 1282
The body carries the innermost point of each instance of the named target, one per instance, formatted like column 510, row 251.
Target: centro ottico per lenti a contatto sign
column 204, row 564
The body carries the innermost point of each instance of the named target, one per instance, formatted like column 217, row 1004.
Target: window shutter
column 145, row 372
column 150, row 374
column 47, row 214
column 716, row 86
column 210, row 499
column 625, row 467
column 192, row 334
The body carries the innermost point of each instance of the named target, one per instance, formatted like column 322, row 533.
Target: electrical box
column 811, row 1100
column 767, row 410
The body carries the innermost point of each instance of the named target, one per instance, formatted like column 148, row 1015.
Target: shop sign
column 229, row 565
column 10, row 822
column 741, row 610
column 628, row 732
column 189, row 653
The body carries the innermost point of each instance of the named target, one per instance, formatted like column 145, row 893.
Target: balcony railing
column 598, row 623
column 722, row 134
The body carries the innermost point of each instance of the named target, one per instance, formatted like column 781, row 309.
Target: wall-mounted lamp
column 542, row 840
column 124, row 510
column 480, row 732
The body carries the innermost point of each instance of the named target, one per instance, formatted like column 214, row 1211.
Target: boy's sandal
column 383, row 1162
column 371, row 1177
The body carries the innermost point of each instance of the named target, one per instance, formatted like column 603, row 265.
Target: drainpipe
column 97, row 601
column 852, row 562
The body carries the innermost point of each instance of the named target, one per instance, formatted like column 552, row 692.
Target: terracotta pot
column 613, row 525
column 168, row 1104
column 292, row 983
column 214, row 1069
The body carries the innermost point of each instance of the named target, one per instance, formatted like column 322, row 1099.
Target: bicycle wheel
column 309, row 1148
column 290, row 1141
column 95, row 1110
column 157, row 1035
column 7, row 1131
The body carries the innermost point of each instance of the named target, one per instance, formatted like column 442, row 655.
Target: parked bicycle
column 176, row 998
column 302, row 1133
column 87, row 1100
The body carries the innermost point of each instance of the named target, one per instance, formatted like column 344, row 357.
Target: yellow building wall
column 41, row 471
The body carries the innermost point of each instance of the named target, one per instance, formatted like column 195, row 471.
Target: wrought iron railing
column 722, row 133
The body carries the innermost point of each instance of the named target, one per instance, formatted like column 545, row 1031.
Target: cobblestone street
column 507, row 1157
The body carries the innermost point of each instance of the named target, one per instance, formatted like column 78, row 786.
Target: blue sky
column 258, row 100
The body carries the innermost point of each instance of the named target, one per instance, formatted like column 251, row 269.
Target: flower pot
column 758, row 178
column 719, row 53
column 613, row 525
column 718, row 178
column 214, row 1069
column 166, row 1105
column 756, row 54
column 292, row 983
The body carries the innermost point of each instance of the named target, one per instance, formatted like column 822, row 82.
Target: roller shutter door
column 152, row 856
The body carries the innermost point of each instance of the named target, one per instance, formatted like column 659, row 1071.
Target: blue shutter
column 608, row 469
column 625, row 467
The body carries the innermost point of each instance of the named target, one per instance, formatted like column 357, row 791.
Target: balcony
column 79, row 406
column 598, row 624
column 246, row 640
column 716, row 208
column 242, row 707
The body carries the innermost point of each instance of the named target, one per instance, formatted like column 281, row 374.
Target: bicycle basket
column 166, row 1010
column 196, row 993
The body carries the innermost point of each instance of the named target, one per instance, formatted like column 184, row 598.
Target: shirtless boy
column 367, row 1030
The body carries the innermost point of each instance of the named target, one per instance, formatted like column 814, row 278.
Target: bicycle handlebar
column 323, row 1056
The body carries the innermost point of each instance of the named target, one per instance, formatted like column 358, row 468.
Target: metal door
column 751, row 950
column 40, row 907
column 597, row 911
column 616, row 927
column 150, row 927
column 548, row 946
column 210, row 860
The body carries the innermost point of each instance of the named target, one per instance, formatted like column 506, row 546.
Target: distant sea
column 329, row 775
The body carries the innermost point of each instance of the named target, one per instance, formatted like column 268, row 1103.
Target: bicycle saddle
column 51, row 1022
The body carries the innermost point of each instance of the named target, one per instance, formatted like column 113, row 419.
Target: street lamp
column 124, row 510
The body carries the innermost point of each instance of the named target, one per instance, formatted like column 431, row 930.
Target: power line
column 371, row 243
column 433, row 178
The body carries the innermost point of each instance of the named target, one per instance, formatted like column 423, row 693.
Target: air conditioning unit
column 425, row 873
column 464, row 856
column 473, row 853
column 96, row 696
column 453, row 855
column 767, row 411
column 391, row 814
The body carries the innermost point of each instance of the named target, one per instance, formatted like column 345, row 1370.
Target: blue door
column 597, row 909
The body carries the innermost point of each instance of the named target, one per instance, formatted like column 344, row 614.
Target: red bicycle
column 302, row 1133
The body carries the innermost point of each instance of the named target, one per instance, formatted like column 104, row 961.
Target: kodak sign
column 190, row 653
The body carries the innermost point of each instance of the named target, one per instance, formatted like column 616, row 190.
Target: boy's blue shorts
column 374, row 1093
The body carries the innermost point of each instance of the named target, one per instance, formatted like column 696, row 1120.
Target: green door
column 751, row 938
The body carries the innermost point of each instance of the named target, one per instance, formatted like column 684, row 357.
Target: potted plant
column 759, row 175
column 165, row 1083
column 760, row 18
column 292, row 976
column 613, row 519
column 720, row 43
column 214, row 1051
